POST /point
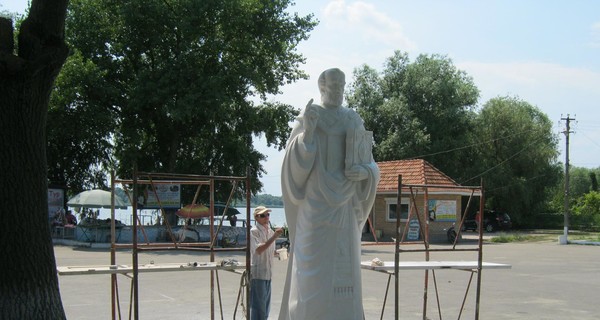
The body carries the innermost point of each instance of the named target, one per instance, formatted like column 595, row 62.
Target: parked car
column 282, row 243
column 492, row 220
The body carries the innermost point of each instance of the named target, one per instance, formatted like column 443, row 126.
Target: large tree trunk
column 28, row 279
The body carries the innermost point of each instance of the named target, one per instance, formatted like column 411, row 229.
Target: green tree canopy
column 581, row 181
column 586, row 212
column 177, row 79
column 267, row 200
column 79, row 139
column 421, row 109
column 516, row 157
column 426, row 109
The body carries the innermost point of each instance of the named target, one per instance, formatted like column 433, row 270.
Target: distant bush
column 267, row 200
column 545, row 221
column 586, row 211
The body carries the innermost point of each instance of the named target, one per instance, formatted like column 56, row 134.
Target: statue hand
column 311, row 117
column 357, row 173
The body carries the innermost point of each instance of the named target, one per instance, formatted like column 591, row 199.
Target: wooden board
column 108, row 269
column 427, row 265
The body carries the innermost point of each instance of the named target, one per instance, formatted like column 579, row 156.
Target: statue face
column 333, row 93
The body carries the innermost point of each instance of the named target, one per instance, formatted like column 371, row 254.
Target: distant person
column 329, row 180
column 233, row 220
column 262, row 250
column 70, row 218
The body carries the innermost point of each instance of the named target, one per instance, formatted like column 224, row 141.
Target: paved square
column 547, row 281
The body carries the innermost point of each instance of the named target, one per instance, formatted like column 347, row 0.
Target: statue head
column 331, row 86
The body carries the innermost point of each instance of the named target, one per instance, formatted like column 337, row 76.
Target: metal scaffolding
column 393, row 268
column 147, row 178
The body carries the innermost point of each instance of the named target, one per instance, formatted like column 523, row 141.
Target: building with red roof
column 437, row 199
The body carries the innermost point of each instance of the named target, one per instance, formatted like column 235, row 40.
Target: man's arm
column 264, row 246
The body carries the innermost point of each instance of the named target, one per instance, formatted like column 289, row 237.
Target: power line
column 487, row 191
column 471, row 145
column 504, row 161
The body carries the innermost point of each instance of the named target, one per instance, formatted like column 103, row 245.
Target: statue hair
column 329, row 72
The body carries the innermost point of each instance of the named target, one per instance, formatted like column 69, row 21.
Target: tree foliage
column 267, row 200
column 426, row 109
column 79, row 144
column 179, row 79
column 517, row 157
column 594, row 181
column 581, row 181
column 586, row 211
column 421, row 109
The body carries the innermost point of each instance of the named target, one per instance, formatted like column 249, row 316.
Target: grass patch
column 515, row 237
column 546, row 235
column 593, row 237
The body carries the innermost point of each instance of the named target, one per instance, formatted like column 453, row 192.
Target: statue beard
column 333, row 101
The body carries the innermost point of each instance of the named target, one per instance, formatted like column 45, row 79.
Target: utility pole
column 564, row 238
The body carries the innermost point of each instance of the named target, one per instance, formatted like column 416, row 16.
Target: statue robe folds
column 325, row 213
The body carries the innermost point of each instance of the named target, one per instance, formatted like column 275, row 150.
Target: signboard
column 164, row 195
column 413, row 230
column 56, row 201
column 442, row 210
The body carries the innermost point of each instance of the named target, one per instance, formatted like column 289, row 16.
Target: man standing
column 262, row 249
column 329, row 181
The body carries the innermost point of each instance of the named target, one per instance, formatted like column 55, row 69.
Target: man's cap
column 261, row 210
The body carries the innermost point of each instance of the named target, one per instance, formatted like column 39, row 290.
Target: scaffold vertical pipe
column 248, row 226
column 397, row 246
column 134, row 255
column 212, row 246
column 113, row 258
column 426, row 243
column 480, row 251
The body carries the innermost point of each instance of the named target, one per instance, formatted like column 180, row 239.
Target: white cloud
column 363, row 19
column 510, row 78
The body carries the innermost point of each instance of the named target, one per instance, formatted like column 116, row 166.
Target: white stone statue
column 329, row 180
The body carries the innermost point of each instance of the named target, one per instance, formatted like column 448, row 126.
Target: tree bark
column 28, row 281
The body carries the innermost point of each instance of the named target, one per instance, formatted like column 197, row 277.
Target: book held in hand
column 359, row 145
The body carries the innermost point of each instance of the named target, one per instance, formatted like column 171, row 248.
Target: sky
column 546, row 52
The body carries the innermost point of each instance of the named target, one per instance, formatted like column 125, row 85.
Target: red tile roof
column 414, row 172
